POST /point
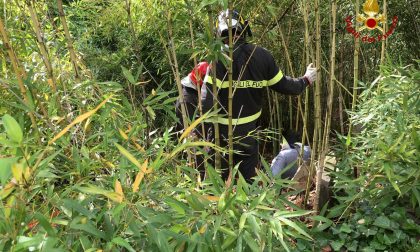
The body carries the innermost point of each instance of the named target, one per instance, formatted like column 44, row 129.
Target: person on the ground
column 285, row 164
column 253, row 69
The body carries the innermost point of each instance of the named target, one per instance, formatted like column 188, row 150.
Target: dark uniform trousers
column 245, row 150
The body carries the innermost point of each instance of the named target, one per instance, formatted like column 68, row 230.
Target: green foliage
column 376, row 229
column 384, row 153
column 90, row 213
column 118, row 181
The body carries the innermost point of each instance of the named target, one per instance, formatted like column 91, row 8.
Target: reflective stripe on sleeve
column 239, row 121
column 237, row 84
column 275, row 79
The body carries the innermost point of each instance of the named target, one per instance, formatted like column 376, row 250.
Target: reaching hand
column 310, row 74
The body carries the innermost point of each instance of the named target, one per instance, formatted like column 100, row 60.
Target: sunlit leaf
column 140, row 176
column 128, row 155
column 119, row 191
column 79, row 119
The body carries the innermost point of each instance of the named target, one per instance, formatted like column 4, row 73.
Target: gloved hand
column 310, row 74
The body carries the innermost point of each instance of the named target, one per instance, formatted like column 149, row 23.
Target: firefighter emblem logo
column 371, row 18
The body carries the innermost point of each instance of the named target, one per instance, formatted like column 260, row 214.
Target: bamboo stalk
column 341, row 97
column 176, row 73
column 230, row 96
column 200, row 105
column 178, row 79
column 332, row 79
column 215, row 101
column 383, row 32
column 271, row 124
column 44, row 53
column 20, row 74
column 69, row 41
column 279, row 114
column 317, row 103
column 292, row 72
column 308, row 50
column 137, row 53
column 355, row 79
column 325, row 143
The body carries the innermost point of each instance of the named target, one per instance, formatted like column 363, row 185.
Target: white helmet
column 238, row 23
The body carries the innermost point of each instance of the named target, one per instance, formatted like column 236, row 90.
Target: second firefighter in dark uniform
column 254, row 69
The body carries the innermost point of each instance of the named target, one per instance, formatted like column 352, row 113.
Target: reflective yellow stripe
column 219, row 83
column 275, row 79
column 239, row 121
column 238, row 84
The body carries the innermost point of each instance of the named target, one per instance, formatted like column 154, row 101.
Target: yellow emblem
column 372, row 19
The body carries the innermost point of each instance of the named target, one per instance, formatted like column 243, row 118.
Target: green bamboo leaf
column 176, row 205
column 6, row 169
column 326, row 222
column 123, row 243
column 227, row 231
column 90, row 189
column 151, row 112
column 391, row 177
column 89, row 228
column 242, row 221
column 254, row 225
column 295, row 226
column 222, row 202
column 278, row 231
column 128, row 75
column 128, row 155
column 45, row 224
column 288, row 214
column 251, row 242
column 228, row 241
column 12, row 127
column 258, row 200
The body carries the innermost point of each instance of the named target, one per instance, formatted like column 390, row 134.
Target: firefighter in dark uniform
column 254, row 68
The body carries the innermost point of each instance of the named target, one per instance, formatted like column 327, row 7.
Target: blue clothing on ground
column 287, row 160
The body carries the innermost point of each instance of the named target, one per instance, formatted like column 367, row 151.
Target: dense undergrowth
column 102, row 168
column 97, row 187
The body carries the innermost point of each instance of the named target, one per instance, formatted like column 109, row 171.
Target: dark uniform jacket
column 254, row 68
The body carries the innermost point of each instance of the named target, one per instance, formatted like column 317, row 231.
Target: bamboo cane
column 174, row 65
column 272, row 122
column 215, row 101
column 306, row 108
column 355, row 79
column 139, row 61
column 341, row 97
column 18, row 71
column 41, row 45
column 317, row 103
column 176, row 73
column 200, row 106
column 383, row 32
column 44, row 52
column 69, row 41
column 325, row 140
column 230, row 96
column 332, row 79
column 289, row 63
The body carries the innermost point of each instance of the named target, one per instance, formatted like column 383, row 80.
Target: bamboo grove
column 318, row 111
column 132, row 55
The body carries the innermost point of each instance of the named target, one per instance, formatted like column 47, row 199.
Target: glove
column 310, row 74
